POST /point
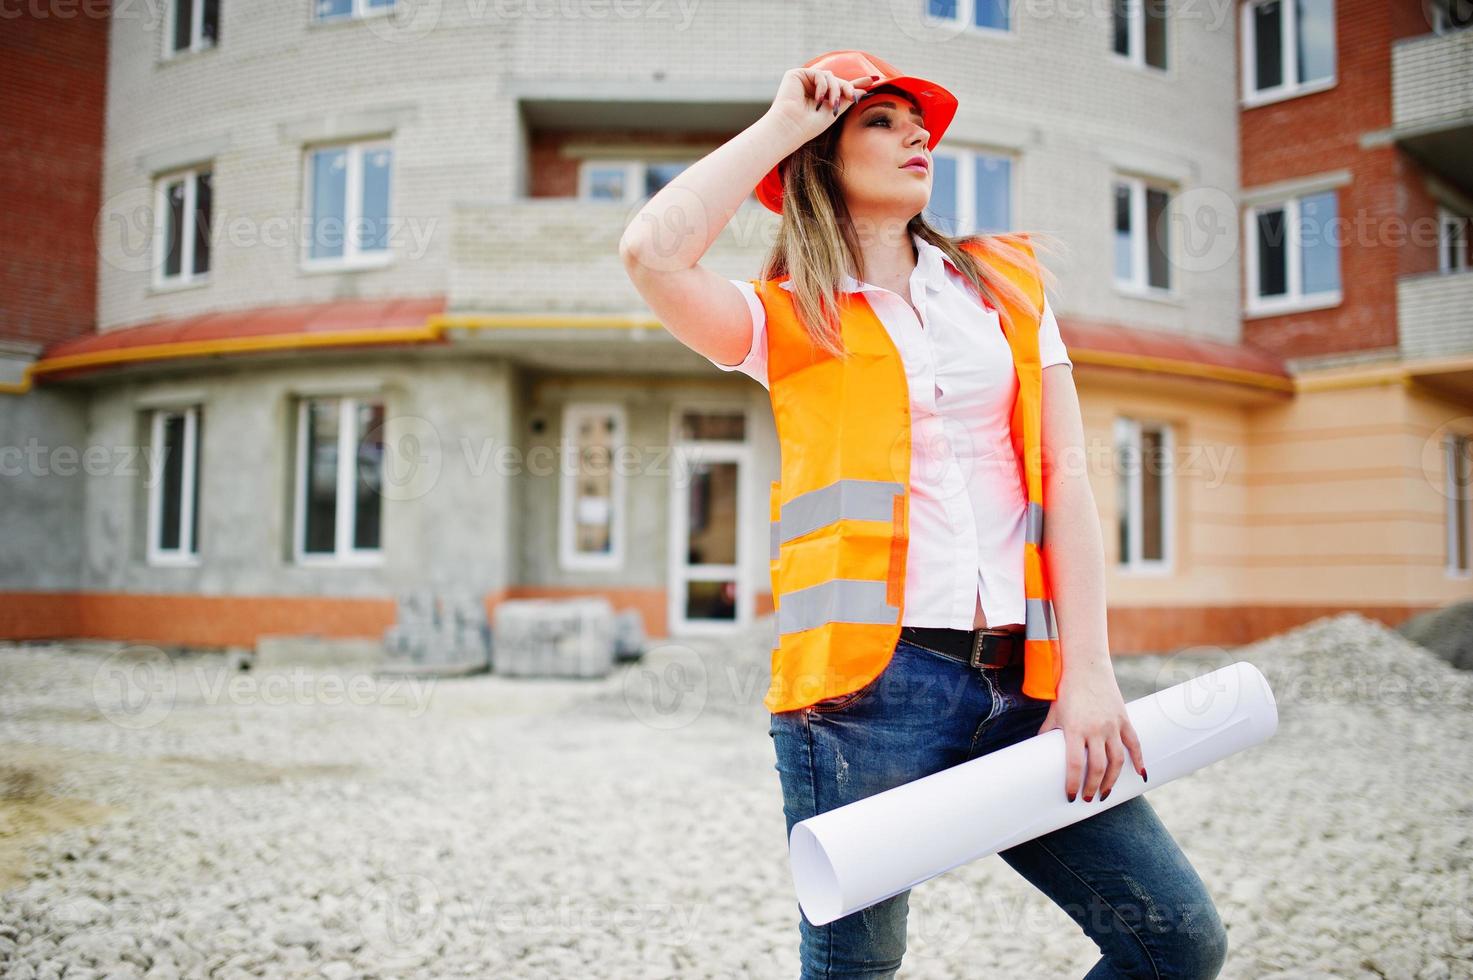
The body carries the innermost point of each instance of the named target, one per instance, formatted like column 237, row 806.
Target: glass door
column 708, row 588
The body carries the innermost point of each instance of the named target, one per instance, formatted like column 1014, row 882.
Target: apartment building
column 1357, row 183
column 360, row 326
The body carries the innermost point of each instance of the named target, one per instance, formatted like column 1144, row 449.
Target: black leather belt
column 982, row 648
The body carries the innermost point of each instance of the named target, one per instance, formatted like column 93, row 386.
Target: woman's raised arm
column 663, row 246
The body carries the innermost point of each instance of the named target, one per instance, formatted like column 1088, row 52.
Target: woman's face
column 881, row 134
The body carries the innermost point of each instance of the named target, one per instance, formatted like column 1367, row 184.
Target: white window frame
column 966, row 16
column 1128, row 435
column 352, row 257
column 345, row 554
column 1289, row 87
column 360, row 10
column 1139, row 284
column 1135, row 55
column 1447, row 222
column 685, row 451
column 1294, row 299
column 966, row 191
column 635, row 172
column 197, row 40
column 1457, row 453
column 187, row 276
column 188, row 551
column 569, row 558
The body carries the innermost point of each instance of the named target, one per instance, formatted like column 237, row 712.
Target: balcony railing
column 561, row 255
column 1435, row 314
column 1432, row 80
column 1432, row 101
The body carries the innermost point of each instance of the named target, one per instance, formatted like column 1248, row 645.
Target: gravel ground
column 181, row 819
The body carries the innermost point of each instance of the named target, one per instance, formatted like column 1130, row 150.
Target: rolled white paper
column 853, row 856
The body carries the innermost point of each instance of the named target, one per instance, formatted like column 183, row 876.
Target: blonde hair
column 817, row 245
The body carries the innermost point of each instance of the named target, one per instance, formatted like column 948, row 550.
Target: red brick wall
column 53, row 71
column 1380, row 208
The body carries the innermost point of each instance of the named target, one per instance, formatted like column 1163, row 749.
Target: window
column 339, row 483
column 1288, row 48
column 1144, row 453
column 182, row 232
column 626, row 181
column 1140, row 31
column 713, row 426
column 173, row 495
column 1293, row 255
column 1457, row 452
column 348, row 204
column 1451, row 15
column 193, row 25
column 988, row 14
column 591, row 494
column 1452, row 241
column 1142, row 236
column 970, row 192
column 326, row 10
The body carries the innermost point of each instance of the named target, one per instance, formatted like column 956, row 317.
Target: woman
column 916, row 621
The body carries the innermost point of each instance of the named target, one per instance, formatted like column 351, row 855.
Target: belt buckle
column 976, row 658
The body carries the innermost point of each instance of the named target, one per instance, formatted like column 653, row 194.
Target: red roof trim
column 1089, row 335
column 338, row 316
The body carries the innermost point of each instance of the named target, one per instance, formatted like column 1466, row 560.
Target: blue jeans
column 1118, row 874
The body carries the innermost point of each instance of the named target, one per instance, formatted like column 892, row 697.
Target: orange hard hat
column 937, row 105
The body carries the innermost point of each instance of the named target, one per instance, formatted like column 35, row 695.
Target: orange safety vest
column 840, row 512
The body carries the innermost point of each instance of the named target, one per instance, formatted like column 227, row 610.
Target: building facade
column 359, row 325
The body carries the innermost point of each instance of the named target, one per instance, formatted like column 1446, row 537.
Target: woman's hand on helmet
column 812, row 98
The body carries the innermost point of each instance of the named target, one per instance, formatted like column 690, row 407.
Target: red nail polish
column 1105, row 795
column 1143, row 774
column 1071, row 797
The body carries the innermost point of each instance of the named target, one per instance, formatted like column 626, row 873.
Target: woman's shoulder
column 998, row 244
column 774, row 281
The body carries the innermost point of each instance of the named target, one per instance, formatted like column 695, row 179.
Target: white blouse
column 968, row 501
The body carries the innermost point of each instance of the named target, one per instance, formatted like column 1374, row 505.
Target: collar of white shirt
column 930, row 260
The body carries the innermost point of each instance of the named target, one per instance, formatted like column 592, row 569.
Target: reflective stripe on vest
column 840, row 600
column 1040, row 620
column 855, row 500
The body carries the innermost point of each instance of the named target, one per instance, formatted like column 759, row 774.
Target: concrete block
column 440, row 629
column 554, row 638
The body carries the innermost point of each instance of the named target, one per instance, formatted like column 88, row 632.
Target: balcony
column 1435, row 319
column 1432, row 102
column 540, row 282
column 561, row 255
